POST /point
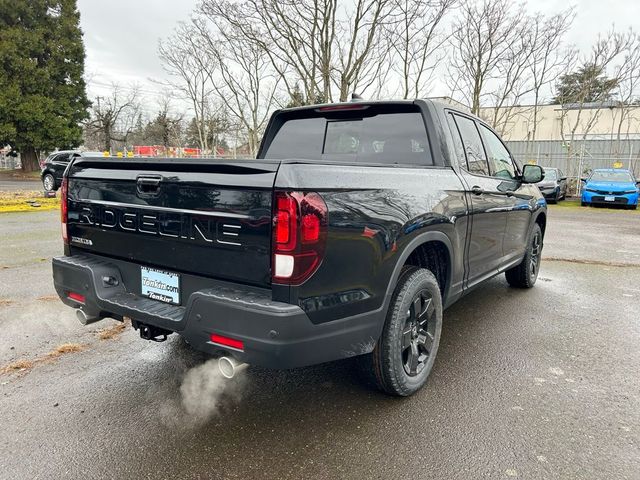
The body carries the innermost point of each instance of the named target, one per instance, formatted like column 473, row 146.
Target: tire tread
column 380, row 361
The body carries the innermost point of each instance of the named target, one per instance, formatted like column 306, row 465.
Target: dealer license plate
column 160, row 285
column 609, row 199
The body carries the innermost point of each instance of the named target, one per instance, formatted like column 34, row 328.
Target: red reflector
column 310, row 228
column 76, row 296
column 227, row 342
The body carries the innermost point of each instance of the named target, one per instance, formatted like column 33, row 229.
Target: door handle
column 476, row 190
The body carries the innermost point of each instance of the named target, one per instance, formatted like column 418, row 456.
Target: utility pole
column 579, row 182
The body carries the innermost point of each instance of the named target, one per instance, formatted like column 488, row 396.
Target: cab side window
column 476, row 157
column 457, row 142
column 500, row 162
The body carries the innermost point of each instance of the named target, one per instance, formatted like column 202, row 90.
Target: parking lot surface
column 10, row 185
column 530, row 384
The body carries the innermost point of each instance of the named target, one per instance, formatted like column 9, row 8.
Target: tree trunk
column 29, row 160
column 107, row 140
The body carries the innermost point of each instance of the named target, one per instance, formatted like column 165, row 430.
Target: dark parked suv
column 53, row 168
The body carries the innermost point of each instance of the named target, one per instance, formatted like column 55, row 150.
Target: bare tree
column 362, row 45
column 418, row 41
column 584, row 93
column 113, row 117
column 628, row 75
column 590, row 93
column 298, row 37
column 318, row 43
column 512, row 83
column 182, row 58
column 482, row 41
column 547, row 57
column 244, row 79
column 166, row 128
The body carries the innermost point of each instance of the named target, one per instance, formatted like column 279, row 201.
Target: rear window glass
column 398, row 137
column 608, row 176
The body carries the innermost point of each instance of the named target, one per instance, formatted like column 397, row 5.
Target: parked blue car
column 609, row 186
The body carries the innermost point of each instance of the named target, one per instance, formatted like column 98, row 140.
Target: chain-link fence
column 9, row 162
column 578, row 159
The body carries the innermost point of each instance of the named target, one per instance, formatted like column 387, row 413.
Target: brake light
column 286, row 220
column 342, row 106
column 64, row 190
column 299, row 236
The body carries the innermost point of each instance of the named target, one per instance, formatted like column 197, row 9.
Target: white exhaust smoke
column 205, row 392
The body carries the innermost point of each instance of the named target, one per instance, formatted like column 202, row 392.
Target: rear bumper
column 275, row 334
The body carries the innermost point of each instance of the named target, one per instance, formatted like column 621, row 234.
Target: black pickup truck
column 357, row 224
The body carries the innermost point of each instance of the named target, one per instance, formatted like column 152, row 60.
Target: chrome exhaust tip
column 229, row 367
column 86, row 319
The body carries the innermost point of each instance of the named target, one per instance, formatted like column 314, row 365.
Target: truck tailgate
column 204, row 217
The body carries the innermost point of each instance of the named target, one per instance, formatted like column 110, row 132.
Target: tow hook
column 149, row 332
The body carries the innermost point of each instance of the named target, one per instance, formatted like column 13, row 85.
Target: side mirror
column 583, row 179
column 532, row 174
column 563, row 178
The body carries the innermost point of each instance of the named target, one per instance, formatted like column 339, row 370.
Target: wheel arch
column 411, row 253
column 540, row 219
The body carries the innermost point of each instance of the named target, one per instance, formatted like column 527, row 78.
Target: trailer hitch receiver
column 149, row 332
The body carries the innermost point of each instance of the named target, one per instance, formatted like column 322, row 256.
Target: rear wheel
column 405, row 352
column 48, row 182
column 525, row 274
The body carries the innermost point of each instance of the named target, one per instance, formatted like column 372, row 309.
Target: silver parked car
column 554, row 185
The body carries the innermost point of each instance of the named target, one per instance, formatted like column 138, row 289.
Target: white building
column 601, row 121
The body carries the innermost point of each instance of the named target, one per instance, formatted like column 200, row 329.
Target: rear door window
column 372, row 136
column 476, row 157
column 60, row 158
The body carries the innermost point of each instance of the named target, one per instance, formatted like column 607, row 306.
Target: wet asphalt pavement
column 527, row 384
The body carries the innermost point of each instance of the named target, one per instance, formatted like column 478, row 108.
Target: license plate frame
column 161, row 285
column 609, row 198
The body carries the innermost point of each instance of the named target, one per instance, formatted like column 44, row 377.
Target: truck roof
column 435, row 101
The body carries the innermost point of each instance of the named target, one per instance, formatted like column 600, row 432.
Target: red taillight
column 310, row 228
column 76, row 297
column 227, row 342
column 64, row 208
column 299, row 236
column 286, row 220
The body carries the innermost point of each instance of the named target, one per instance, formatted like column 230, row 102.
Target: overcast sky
column 121, row 37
